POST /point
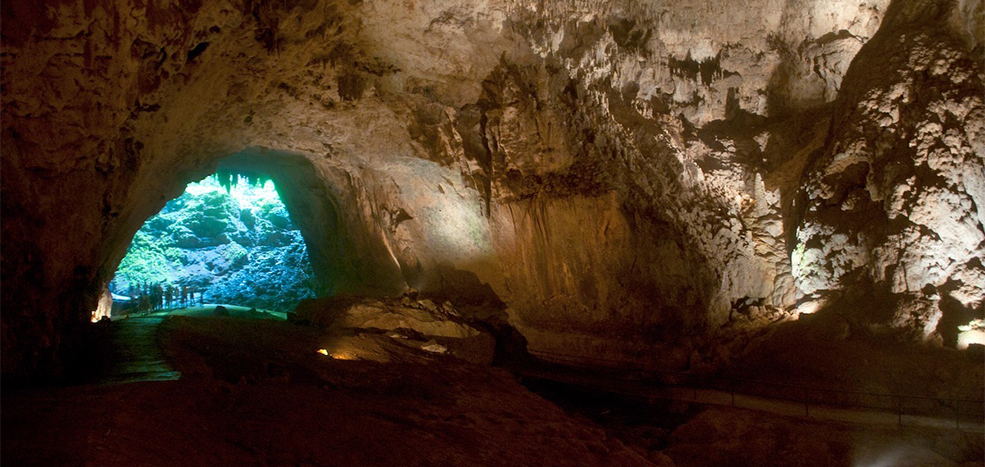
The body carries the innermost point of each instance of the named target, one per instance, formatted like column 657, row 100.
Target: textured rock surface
column 422, row 316
column 625, row 176
column 432, row 327
column 895, row 199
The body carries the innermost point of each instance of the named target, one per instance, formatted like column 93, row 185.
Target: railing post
column 899, row 409
column 788, row 393
column 957, row 415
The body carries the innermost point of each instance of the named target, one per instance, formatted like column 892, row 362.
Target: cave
column 540, row 233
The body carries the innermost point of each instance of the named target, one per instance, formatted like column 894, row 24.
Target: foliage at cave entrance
column 234, row 242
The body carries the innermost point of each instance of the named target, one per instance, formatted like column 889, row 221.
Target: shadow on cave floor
column 271, row 392
column 131, row 350
column 133, row 353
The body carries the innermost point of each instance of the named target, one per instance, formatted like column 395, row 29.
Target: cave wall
column 894, row 201
column 347, row 253
column 625, row 176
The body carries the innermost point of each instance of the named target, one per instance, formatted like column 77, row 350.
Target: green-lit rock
column 212, row 241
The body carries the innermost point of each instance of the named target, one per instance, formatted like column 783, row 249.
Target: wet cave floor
column 257, row 392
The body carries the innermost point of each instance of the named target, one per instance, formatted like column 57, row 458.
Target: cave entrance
column 228, row 239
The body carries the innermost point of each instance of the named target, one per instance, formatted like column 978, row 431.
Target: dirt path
column 136, row 356
column 257, row 393
column 134, row 353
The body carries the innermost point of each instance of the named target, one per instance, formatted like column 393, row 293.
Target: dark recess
column 198, row 50
column 708, row 69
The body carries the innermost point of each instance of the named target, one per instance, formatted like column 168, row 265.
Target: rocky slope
column 629, row 177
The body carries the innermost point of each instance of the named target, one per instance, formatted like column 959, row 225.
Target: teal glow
column 233, row 243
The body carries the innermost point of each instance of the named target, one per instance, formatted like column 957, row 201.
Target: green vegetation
column 232, row 242
column 235, row 254
column 147, row 262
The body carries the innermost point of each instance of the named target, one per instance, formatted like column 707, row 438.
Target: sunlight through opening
column 227, row 239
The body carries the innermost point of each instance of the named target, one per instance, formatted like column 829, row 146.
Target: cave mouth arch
column 323, row 204
column 227, row 239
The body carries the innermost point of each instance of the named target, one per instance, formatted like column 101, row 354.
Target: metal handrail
column 895, row 402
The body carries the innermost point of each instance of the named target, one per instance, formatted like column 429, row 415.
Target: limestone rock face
column 623, row 175
column 434, row 328
column 381, row 315
column 895, row 197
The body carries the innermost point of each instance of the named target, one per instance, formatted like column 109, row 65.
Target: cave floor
column 134, row 354
column 258, row 392
column 615, row 384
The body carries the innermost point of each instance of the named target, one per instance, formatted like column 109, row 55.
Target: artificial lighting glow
column 888, row 458
column 344, row 356
column 104, row 307
column 807, row 308
column 972, row 333
column 455, row 223
column 434, row 347
column 338, row 355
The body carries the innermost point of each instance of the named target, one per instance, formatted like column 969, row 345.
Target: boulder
column 434, row 347
column 247, row 217
column 378, row 315
column 403, row 318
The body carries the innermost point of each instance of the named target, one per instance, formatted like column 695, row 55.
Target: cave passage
column 513, row 232
column 228, row 239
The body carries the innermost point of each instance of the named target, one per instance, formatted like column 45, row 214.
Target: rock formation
column 427, row 325
column 625, row 176
column 893, row 201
